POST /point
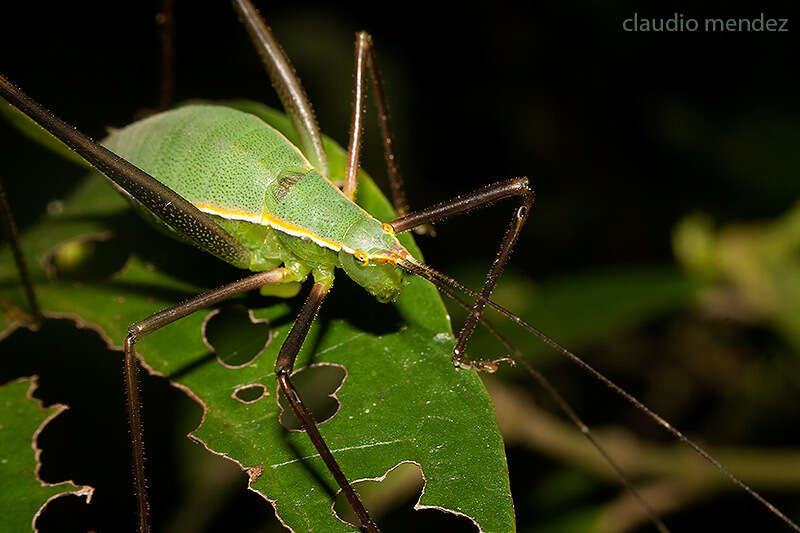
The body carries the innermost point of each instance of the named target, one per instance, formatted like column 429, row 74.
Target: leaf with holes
column 24, row 495
column 400, row 401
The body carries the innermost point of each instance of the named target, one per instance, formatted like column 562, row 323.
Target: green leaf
column 401, row 400
column 24, row 494
column 756, row 264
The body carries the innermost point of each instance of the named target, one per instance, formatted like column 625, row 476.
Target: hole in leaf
column 392, row 500
column 250, row 393
column 316, row 385
column 65, row 513
column 236, row 336
column 381, row 495
column 87, row 258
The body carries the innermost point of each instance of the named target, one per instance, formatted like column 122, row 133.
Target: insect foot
column 481, row 365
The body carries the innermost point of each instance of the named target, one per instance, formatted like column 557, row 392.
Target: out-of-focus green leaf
column 585, row 518
column 401, row 399
column 746, row 270
column 24, row 494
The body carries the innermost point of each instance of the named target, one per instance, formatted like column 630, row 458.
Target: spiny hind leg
column 283, row 370
column 480, row 198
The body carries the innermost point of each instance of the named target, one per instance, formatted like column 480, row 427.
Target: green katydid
column 381, row 255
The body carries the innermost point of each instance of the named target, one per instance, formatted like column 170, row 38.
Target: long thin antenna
column 416, row 267
column 562, row 404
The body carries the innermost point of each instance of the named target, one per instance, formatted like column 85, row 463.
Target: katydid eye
column 361, row 257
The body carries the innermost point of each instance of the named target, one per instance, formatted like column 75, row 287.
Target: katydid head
column 369, row 255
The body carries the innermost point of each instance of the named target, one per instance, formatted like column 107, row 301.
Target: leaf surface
column 24, row 494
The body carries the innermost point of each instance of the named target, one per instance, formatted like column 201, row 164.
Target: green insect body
column 263, row 191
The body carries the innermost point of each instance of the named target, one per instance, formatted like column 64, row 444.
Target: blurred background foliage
column 664, row 246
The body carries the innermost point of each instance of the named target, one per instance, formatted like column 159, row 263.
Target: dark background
column 622, row 134
column 617, row 130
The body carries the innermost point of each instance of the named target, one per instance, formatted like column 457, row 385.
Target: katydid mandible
column 275, row 207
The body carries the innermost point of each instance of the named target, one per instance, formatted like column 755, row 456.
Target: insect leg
column 396, row 185
column 10, row 227
column 363, row 45
column 479, row 198
column 286, row 83
column 462, row 203
column 518, row 220
column 131, row 369
column 283, row 370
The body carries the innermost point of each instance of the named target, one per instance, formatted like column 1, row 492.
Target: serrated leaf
column 24, row 495
column 401, row 399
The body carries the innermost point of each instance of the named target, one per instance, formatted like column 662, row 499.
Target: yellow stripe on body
column 266, row 219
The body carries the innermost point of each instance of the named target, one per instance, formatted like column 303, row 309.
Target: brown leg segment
column 518, row 220
column 130, row 372
column 365, row 56
column 363, row 45
column 462, row 203
column 283, row 369
column 131, row 369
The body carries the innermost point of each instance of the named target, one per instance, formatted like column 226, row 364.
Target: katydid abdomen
column 261, row 189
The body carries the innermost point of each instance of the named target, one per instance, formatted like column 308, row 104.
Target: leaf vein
column 337, row 450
